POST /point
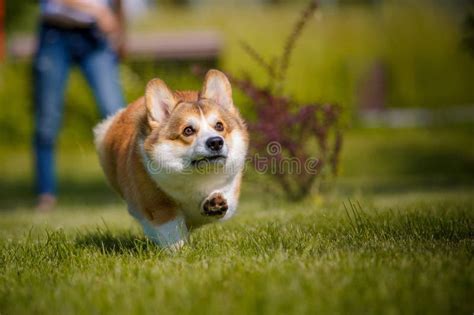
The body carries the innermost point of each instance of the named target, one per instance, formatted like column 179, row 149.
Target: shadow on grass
column 20, row 194
column 115, row 243
column 407, row 165
column 347, row 187
column 437, row 162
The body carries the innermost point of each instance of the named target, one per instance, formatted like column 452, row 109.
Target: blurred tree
column 16, row 11
column 175, row 2
column 2, row 30
column 468, row 40
column 360, row 1
column 372, row 92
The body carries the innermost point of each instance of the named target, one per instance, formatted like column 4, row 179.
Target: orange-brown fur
column 124, row 167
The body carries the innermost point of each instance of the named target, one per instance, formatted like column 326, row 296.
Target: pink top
column 54, row 10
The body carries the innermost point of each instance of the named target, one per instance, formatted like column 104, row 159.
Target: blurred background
column 403, row 72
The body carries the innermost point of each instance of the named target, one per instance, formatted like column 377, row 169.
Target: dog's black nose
column 215, row 143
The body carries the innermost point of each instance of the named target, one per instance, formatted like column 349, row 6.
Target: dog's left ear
column 217, row 88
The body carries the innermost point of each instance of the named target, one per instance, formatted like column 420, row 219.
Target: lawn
column 393, row 235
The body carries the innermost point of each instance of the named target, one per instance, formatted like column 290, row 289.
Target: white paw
column 171, row 234
column 176, row 246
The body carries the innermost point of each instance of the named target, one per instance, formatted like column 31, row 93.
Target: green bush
column 18, row 14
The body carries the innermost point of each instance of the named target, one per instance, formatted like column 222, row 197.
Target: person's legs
column 50, row 71
column 100, row 68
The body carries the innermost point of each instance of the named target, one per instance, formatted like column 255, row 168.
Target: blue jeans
column 58, row 50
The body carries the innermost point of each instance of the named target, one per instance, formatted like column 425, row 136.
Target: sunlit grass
column 298, row 261
column 393, row 234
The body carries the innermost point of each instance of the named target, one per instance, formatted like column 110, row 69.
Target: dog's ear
column 159, row 100
column 217, row 88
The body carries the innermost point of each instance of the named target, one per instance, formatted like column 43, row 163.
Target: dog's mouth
column 213, row 159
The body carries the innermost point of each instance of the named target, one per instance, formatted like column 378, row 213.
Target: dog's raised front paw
column 215, row 205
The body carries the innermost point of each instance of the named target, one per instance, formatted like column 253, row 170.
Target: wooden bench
column 190, row 45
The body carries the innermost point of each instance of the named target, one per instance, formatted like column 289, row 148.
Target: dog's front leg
column 215, row 205
column 222, row 203
column 172, row 234
column 219, row 204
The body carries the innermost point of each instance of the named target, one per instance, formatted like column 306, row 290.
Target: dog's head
column 190, row 130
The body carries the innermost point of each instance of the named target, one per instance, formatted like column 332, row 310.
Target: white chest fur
column 189, row 188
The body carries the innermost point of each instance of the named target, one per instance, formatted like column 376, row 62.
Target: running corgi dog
column 176, row 157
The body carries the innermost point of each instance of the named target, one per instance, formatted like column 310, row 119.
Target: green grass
column 393, row 235
column 410, row 261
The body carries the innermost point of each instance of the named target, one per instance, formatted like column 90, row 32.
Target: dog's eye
column 188, row 131
column 219, row 126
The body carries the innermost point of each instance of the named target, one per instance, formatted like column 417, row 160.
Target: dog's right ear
column 159, row 100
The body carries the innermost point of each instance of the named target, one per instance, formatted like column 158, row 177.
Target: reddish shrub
column 292, row 142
